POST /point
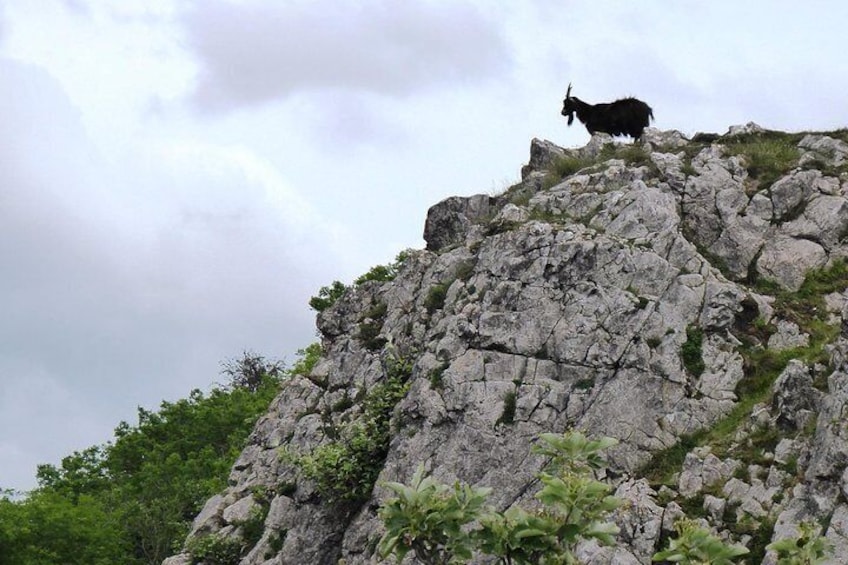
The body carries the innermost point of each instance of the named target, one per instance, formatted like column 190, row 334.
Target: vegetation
column 328, row 295
column 768, row 155
column 436, row 296
column 345, row 469
column 808, row 548
column 693, row 360
column 443, row 525
column 214, row 549
column 435, row 521
column 695, row 545
column 131, row 501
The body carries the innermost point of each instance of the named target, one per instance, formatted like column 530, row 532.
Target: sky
column 178, row 177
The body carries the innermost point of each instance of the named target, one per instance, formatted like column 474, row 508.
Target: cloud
column 126, row 283
column 257, row 52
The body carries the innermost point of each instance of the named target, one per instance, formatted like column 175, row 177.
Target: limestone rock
column 449, row 221
column 795, row 400
column 788, row 336
column 573, row 307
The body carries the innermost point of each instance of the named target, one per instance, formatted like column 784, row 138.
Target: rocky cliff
column 686, row 297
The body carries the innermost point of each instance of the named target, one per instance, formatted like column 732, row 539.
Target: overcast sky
column 177, row 178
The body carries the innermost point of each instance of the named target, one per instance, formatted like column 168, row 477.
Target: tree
column 251, row 371
column 131, row 501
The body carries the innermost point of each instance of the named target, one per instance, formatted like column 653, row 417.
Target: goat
column 627, row 116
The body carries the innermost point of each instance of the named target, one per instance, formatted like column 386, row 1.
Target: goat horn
column 568, row 92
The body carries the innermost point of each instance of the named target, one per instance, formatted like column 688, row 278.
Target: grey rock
column 715, row 506
column 449, row 221
column 748, row 128
column 786, row 260
column 181, row 559
column 788, row 336
column 574, row 304
column 795, row 399
column 240, row 510
column 832, row 151
column 543, row 154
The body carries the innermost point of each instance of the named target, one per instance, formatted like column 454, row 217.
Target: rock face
column 617, row 299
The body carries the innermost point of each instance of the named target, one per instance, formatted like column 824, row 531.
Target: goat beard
column 570, row 118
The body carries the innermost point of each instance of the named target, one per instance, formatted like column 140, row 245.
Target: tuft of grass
column 436, row 296
column 507, row 417
column 435, row 376
column 664, row 463
column 690, row 352
column 768, row 155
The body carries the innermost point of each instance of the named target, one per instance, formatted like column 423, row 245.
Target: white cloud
column 256, row 52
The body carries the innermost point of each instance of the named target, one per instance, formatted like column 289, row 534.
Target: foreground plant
column 436, row 521
column 428, row 517
column 695, row 545
column 808, row 548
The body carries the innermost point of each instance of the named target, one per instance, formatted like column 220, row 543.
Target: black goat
column 627, row 116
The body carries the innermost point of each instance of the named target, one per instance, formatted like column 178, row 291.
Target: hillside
column 686, row 297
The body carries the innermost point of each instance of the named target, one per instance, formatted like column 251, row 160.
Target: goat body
column 628, row 116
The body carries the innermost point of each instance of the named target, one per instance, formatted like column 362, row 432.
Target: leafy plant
column 434, row 521
column 345, row 469
column 215, row 549
column 429, row 519
column 573, row 451
column 327, row 296
column 695, row 545
column 807, row 548
column 517, row 537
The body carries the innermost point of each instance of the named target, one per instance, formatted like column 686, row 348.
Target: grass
column 761, row 366
column 436, row 296
column 768, row 155
column 507, row 417
column 690, row 352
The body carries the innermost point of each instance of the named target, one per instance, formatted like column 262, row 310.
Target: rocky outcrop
column 617, row 299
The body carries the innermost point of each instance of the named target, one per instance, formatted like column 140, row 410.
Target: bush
column 215, row 549
column 344, row 470
column 691, row 351
column 327, row 296
column 695, row 545
column 434, row 521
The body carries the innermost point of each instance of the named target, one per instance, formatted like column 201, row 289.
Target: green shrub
column 253, row 526
column 327, row 296
column 384, row 273
column 435, row 521
column 436, row 296
column 695, row 545
column 344, row 470
column 691, row 354
column 507, row 417
column 768, row 155
column 215, row 549
column 308, row 357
